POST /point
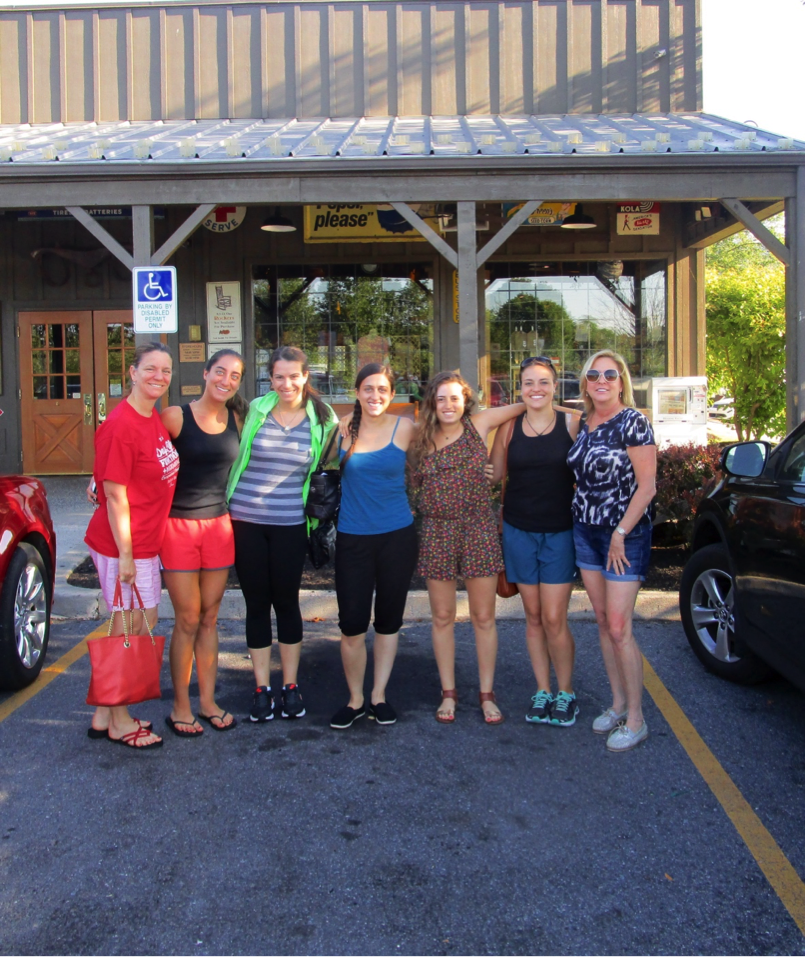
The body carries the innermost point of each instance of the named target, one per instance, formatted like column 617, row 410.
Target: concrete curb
column 71, row 602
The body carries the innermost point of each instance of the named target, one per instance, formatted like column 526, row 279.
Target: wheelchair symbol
column 152, row 291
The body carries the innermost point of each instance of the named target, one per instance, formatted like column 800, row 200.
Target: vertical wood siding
column 314, row 59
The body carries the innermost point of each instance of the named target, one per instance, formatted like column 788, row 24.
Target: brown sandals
column 489, row 718
column 447, row 717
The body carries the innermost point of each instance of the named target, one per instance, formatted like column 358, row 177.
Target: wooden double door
column 72, row 374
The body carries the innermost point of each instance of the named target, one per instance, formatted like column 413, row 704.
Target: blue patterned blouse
column 605, row 480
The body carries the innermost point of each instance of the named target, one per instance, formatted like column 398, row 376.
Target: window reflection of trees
column 575, row 312
column 343, row 319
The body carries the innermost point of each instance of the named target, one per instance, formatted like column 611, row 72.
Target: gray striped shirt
column 269, row 492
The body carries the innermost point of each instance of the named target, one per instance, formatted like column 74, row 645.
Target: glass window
column 568, row 311
column 344, row 316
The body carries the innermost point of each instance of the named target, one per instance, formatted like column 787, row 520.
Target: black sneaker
column 345, row 716
column 540, row 712
column 382, row 712
column 262, row 705
column 565, row 710
column 292, row 702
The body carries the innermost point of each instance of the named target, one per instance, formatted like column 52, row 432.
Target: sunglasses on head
column 610, row 374
column 533, row 359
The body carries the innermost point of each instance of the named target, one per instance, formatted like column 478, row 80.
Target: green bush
column 685, row 475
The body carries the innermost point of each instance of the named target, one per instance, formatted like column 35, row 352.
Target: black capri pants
column 381, row 563
column 269, row 561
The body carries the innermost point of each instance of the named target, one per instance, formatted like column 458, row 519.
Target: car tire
column 711, row 619
column 24, row 618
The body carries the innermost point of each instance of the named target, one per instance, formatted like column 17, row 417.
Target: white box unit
column 677, row 407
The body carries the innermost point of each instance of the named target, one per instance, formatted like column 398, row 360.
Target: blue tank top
column 373, row 491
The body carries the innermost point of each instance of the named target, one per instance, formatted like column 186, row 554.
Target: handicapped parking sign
column 154, row 295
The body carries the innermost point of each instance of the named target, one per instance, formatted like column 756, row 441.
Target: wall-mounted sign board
column 154, row 299
column 547, row 214
column 224, row 312
column 642, row 217
column 192, row 352
column 359, row 223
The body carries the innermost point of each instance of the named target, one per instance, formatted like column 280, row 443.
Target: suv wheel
column 24, row 618
column 711, row 620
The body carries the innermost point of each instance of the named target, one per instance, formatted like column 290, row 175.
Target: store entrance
column 72, row 374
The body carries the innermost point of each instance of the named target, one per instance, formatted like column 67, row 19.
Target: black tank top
column 204, row 464
column 540, row 485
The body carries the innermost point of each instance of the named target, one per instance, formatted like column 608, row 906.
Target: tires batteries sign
column 154, row 295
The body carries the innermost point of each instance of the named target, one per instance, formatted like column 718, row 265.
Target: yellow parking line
column 47, row 675
column 770, row 858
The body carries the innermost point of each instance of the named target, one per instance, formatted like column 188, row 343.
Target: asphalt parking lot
column 291, row 838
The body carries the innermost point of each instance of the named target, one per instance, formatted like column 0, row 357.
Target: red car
column 27, row 573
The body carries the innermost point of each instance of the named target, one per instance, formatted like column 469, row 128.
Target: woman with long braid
column 376, row 546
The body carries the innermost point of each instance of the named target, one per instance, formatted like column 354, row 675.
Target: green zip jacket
column 258, row 410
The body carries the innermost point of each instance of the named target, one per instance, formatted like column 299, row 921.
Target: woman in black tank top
column 198, row 548
column 538, row 533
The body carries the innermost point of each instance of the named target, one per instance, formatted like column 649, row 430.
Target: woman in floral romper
column 459, row 537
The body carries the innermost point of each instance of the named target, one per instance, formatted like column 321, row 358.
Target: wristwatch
column 621, row 531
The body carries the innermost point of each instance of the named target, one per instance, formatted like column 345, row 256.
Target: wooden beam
column 103, row 237
column 190, row 225
column 701, row 235
column 425, row 230
column 795, row 340
column 142, row 234
column 468, row 293
column 758, row 229
column 503, row 234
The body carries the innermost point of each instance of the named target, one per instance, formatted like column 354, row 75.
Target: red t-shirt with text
column 136, row 451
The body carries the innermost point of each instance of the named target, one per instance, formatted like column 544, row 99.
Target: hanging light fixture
column 578, row 220
column 277, row 223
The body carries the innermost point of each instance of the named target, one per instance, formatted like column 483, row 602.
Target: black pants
column 269, row 560
column 381, row 563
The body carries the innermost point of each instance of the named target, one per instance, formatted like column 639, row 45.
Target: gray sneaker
column 622, row 739
column 608, row 720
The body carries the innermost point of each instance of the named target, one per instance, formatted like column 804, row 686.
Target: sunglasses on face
column 533, row 359
column 610, row 375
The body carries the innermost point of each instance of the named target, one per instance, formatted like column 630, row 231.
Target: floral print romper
column 459, row 536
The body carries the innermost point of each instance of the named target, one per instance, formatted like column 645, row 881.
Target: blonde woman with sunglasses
column 614, row 462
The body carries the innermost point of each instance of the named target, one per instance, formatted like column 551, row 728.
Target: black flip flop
column 175, row 727
column 209, row 718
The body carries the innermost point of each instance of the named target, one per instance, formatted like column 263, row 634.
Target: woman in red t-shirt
column 135, row 473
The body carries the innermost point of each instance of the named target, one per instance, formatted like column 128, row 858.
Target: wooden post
column 795, row 372
column 468, row 293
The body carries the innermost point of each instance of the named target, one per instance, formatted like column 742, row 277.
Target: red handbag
column 125, row 668
column 505, row 588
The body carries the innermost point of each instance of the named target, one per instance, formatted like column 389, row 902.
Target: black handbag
column 322, row 544
column 324, row 491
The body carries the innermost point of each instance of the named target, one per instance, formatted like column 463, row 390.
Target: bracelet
column 621, row 532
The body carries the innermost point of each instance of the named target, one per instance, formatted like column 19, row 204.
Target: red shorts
column 193, row 544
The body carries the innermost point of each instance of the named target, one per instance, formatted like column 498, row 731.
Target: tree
column 746, row 345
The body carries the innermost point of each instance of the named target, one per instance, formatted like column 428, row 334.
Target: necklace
column 543, row 432
column 450, row 437
column 280, row 420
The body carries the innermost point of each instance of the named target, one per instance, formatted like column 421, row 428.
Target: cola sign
column 639, row 217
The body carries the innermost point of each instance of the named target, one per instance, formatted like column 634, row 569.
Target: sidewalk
column 71, row 512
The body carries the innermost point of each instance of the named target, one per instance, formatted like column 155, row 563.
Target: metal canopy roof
column 197, row 142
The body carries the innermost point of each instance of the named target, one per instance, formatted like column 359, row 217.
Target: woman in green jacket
column 283, row 437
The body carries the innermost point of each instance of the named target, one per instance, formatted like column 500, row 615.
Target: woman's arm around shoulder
column 573, row 420
column 405, row 433
column 498, row 456
column 172, row 418
column 488, row 419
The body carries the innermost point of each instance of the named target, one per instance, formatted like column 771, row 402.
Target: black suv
column 742, row 590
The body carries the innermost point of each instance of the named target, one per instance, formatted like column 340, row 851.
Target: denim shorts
column 592, row 543
column 539, row 558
